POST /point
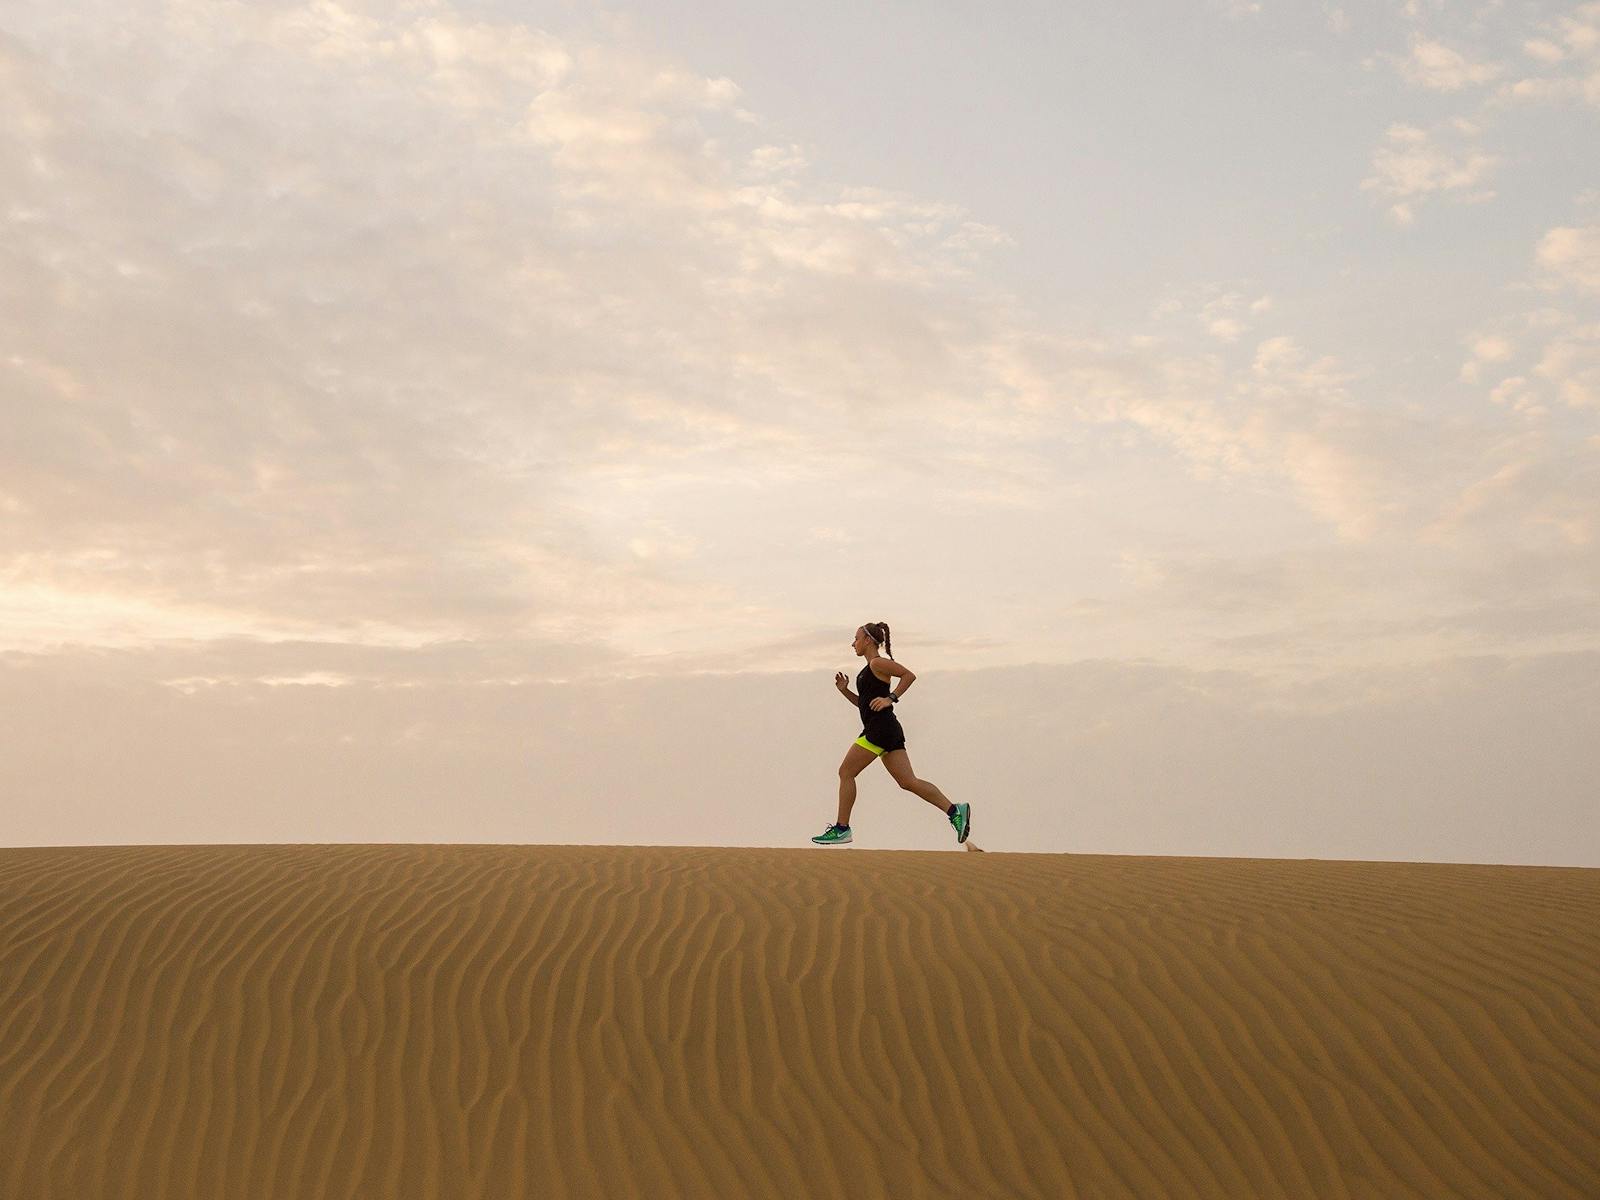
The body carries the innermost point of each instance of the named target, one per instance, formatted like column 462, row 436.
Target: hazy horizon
column 482, row 421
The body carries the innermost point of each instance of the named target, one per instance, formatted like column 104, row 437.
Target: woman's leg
column 855, row 761
column 898, row 764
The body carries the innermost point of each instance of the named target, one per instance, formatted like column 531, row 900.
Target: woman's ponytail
column 878, row 631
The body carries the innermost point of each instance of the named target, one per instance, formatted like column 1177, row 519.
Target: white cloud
column 1412, row 165
column 1543, row 50
column 777, row 160
column 1573, row 255
column 1572, row 365
column 1535, row 501
column 1227, row 316
column 1276, row 354
column 1492, row 348
column 1434, row 65
column 1579, row 30
column 1223, row 313
column 389, row 357
column 1488, row 348
column 1290, row 417
column 1568, row 50
column 463, row 331
column 1518, row 395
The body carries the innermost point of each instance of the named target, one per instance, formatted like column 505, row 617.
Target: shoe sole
column 966, row 830
column 835, row 842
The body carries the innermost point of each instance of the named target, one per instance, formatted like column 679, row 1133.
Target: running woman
column 881, row 736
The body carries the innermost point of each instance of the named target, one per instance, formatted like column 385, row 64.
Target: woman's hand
column 840, row 682
column 881, row 703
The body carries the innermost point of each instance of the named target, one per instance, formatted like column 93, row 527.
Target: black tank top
column 868, row 688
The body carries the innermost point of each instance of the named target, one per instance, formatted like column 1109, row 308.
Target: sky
column 490, row 422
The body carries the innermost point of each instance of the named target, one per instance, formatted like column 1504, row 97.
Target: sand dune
column 287, row 1022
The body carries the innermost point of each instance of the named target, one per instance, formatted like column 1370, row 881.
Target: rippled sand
column 291, row 1022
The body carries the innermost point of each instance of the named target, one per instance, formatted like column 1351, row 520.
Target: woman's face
column 862, row 641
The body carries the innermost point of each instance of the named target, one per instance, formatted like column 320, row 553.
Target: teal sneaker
column 833, row 835
column 961, row 819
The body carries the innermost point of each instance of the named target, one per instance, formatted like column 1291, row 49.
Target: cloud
column 1571, row 364
column 1436, row 66
column 581, row 287
column 328, row 327
column 1328, row 446
column 1516, row 393
column 1561, row 366
column 1534, row 498
column 1486, row 348
column 1492, row 348
column 1412, row 165
column 1569, row 361
column 1567, row 54
column 1572, row 254
column 1228, row 316
column 396, row 297
column 1223, row 313
column 1543, row 50
column 1289, row 416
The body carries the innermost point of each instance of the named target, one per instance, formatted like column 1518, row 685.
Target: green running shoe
column 962, row 820
column 833, row 835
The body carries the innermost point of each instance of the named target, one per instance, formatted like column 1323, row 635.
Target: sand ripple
column 289, row 1022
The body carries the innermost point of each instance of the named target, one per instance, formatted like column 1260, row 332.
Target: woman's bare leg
column 898, row 764
column 855, row 761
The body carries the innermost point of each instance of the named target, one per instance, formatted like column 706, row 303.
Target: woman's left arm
column 893, row 668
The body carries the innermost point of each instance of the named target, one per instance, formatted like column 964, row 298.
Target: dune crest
column 297, row 1022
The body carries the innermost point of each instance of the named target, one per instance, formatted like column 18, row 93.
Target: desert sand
column 377, row 1021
